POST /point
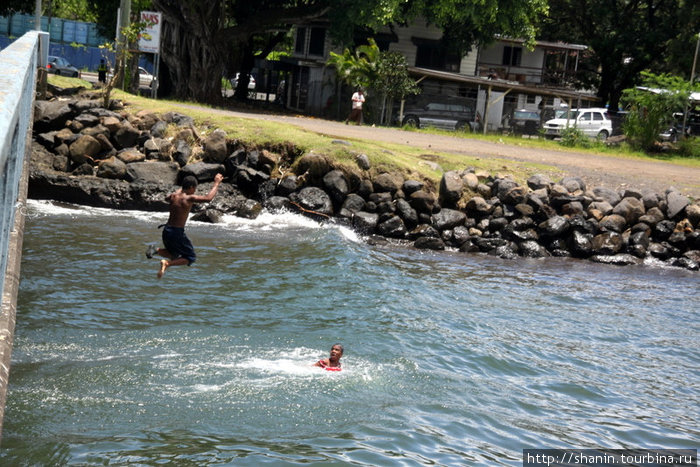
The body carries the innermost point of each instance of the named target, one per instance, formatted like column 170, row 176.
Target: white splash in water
column 266, row 221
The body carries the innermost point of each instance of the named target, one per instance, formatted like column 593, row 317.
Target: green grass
column 597, row 148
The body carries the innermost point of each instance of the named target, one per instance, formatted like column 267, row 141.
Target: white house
column 496, row 79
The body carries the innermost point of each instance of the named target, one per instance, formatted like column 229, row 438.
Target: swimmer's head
column 189, row 182
column 336, row 352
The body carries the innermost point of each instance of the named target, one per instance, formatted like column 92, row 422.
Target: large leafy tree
column 204, row 40
column 625, row 37
column 467, row 23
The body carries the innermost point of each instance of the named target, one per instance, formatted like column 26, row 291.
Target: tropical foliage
column 625, row 37
column 652, row 107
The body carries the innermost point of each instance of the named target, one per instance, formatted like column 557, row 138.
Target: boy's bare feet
column 163, row 267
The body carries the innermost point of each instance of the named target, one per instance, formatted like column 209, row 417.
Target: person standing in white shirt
column 358, row 98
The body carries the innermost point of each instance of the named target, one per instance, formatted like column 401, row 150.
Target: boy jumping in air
column 178, row 248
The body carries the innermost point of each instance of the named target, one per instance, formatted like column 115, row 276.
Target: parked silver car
column 60, row 66
column 441, row 113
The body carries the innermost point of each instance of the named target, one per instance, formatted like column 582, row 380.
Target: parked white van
column 593, row 122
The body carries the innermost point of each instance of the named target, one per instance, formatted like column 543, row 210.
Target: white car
column 593, row 122
column 145, row 78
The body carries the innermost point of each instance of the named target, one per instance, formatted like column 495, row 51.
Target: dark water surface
column 450, row 359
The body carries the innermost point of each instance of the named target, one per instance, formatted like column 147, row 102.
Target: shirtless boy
column 333, row 362
column 178, row 248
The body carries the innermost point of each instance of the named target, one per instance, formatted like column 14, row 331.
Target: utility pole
column 37, row 15
column 122, row 46
column 692, row 77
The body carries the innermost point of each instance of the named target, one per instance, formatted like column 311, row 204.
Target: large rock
column 126, row 136
column 411, row 186
column 313, row 199
column 429, row 243
column 581, row 244
column 392, row 227
column 675, row 204
column 182, row 153
column 215, row 150
column 423, row 201
column 365, row 222
column 532, row 249
column 406, row 212
column 423, row 230
column 312, row 167
column 630, row 208
column 87, row 119
column 573, row 184
column 613, row 223
column 51, row 115
column 471, row 180
column 202, row 171
column 451, row 186
column 501, row 187
column 607, row 243
column 131, row 155
column 354, row 203
column 607, row 195
column 539, row 181
column 112, row 168
column 448, row 219
column 478, row 207
column 652, row 217
column 84, row 148
column 554, row 227
column 152, row 172
column 692, row 212
column 336, row 185
column 362, row 161
column 388, row 182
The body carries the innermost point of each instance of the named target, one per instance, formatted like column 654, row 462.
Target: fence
column 62, row 30
column 19, row 63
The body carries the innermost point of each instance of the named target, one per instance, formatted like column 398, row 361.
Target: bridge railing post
column 19, row 62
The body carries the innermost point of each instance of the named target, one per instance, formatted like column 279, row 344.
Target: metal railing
column 19, row 63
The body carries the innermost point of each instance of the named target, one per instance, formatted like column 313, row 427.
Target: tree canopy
column 203, row 40
column 625, row 38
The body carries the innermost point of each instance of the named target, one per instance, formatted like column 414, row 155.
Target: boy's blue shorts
column 177, row 243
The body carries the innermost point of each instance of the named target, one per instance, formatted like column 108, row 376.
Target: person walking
column 358, row 98
column 102, row 71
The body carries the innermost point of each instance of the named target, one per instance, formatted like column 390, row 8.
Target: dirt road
column 608, row 171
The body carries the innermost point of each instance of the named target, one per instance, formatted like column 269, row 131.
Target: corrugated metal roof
column 500, row 84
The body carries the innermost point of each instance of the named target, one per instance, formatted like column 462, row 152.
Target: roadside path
column 609, row 171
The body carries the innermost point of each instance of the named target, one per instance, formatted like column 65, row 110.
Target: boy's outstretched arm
column 209, row 196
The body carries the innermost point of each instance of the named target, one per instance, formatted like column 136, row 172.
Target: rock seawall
column 85, row 154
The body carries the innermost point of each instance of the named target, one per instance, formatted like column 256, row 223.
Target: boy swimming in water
column 178, row 248
column 332, row 363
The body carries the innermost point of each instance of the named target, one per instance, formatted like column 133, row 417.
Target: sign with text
column 151, row 45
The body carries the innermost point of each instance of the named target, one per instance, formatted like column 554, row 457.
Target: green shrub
column 652, row 107
column 689, row 147
column 573, row 137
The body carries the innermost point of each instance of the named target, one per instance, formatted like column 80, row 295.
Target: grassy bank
column 411, row 161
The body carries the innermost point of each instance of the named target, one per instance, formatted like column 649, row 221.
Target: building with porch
column 494, row 80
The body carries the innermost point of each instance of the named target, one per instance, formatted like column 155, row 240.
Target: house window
column 530, row 98
column 317, row 41
column 512, row 56
column 300, row 45
column 433, row 54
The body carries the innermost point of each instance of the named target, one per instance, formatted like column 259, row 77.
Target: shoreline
column 85, row 154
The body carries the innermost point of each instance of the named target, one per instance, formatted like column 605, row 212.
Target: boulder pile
column 86, row 154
